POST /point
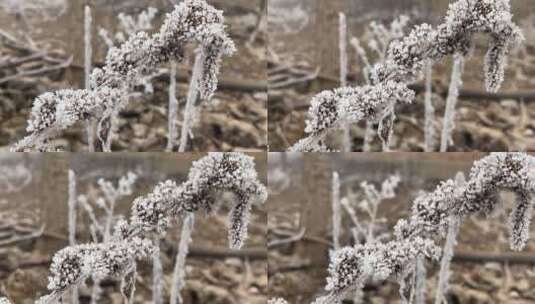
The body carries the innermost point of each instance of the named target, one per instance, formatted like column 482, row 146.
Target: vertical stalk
column 451, row 102
column 88, row 54
column 72, row 223
column 157, row 275
column 173, row 109
column 429, row 109
column 180, row 263
column 343, row 74
column 193, row 94
column 337, row 216
column 420, row 273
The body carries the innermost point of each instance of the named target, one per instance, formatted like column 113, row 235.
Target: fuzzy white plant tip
column 352, row 267
column 74, row 264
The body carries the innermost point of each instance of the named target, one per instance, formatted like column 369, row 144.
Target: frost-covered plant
column 101, row 228
column 74, row 264
column 362, row 231
column 110, row 194
column 151, row 216
column 379, row 37
column 208, row 177
column 190, row 21
column 330, row 109
column 432, row 215
column 407, row 57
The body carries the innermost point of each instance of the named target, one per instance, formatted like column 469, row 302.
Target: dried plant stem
column 451, row 102
column 420, row 274
column 72, row 223
column 193, row 94
column 337, row 212
column 88, row 54
column 343, row 75
column 173, row 109
column 157, row 275
column 447, row 255
column 179, row 272
column 429, row 127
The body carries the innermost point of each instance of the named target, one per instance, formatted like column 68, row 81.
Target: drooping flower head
column 351, row 267
column 330, row 109
column 74, row 264
column 207, row 179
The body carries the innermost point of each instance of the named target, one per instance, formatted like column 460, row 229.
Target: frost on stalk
column 179, row 271
column 209, row 176
column 337, row 216
column 330, row 109
column 157, row 275
column 190, row 21
column 451, row 101
column 447, row 253
column 352, row 267
column 74, row 264
column 277, row 301
column 6, row 301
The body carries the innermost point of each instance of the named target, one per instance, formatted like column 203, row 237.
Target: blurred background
column 34, row 226
column 304, row 59
column 42, row 49
column 300, row 230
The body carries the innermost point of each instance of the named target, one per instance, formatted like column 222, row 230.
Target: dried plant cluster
column 116, row 256
column 437, row 214
column 405, row 62
column 192, row 21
